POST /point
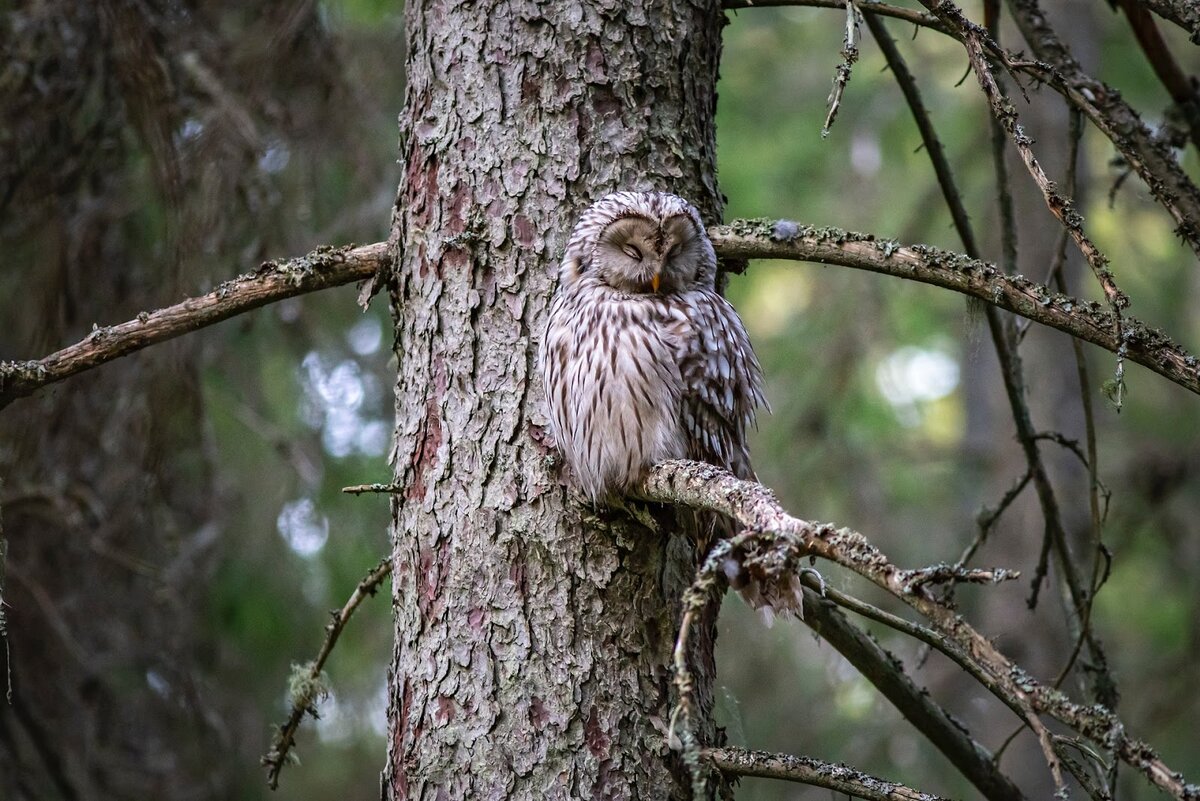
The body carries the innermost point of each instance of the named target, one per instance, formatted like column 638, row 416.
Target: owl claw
column 816, row 577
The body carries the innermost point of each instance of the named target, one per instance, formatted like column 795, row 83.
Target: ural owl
column 642, row 360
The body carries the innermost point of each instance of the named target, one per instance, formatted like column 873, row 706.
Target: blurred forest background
column 176, row 532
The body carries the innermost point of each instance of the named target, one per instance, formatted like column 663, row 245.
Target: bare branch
column 978, row 43
column 921, row 18
column 883, row 671
column 1178, row 85
column 1184, row 13
column 761, row 239
column 842, row 75
column 303, row 702
column 1147, row 153
column 274, row 281
column 806, row 770
column 704, row 487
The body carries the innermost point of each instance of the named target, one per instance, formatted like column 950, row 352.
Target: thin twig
column 814, row 772
column 841, row 75
column 274, row 281
column 303, row 703
column 361, row 489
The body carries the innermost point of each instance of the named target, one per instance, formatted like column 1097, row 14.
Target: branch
column 761, row 239
column 324, row 267
column 1138, row 145
column 977, row 43
column 805, row 770
column 788, row 540
column 870, row 7
column 1179, row 86
column 308, row 682
column 1148, row 154
column 744, row 239
column 842, row 75
column 1184, row 13
column 883, row 671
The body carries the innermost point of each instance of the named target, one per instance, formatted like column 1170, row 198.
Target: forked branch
column 783, row 540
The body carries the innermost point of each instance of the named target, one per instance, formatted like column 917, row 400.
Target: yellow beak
column 655, row 280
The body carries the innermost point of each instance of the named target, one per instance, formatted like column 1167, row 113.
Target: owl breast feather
column 611, row 365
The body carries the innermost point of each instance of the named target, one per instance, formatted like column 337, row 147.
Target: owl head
column 640, row 243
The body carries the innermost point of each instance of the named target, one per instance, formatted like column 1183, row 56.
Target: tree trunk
column 533, row 635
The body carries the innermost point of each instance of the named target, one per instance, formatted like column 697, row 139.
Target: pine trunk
column 533, row 635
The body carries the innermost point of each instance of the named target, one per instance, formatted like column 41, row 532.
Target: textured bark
column 532, row 638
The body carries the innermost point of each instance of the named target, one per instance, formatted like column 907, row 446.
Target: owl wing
column 723, row 383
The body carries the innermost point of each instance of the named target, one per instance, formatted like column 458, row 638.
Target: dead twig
column 308, row 683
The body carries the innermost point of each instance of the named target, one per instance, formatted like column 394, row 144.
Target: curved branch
column 762, row 239
column 744, row 239
column 704, row 487
column 806, row 770
column 274, row 281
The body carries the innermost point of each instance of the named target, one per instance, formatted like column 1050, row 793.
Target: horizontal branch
column 762, row 239
column 805, row 770
column 274, row 281
column 743, row 239
column 754, row 507
column 921, row 18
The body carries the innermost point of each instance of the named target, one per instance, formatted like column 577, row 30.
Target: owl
column 642, row 360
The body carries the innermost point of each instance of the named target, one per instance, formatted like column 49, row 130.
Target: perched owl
column 642, row 360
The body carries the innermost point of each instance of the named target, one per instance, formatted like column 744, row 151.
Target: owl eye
column 632, row 252
column 674, row 251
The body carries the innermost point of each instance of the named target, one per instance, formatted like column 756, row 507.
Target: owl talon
column 808, row 571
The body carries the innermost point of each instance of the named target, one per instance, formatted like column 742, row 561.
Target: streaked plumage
column 637, row 369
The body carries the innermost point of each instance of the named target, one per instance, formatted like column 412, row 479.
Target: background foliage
column 130, row 166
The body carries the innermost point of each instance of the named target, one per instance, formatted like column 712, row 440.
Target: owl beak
column 655, row 280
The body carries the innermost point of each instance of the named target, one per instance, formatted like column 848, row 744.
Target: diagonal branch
column 1184, row 13
column 1151, row 157
column 753, row 506
column 1146, row 153
column 274, row 281
column 763, row 239
column 883, row 671
column 805, row 770
column 311, row 677
column 978, row 43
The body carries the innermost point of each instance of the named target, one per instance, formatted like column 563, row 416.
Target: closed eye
column 674, row 251
column 632, row 252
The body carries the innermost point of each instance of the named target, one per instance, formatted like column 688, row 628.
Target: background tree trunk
column 532, row 640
